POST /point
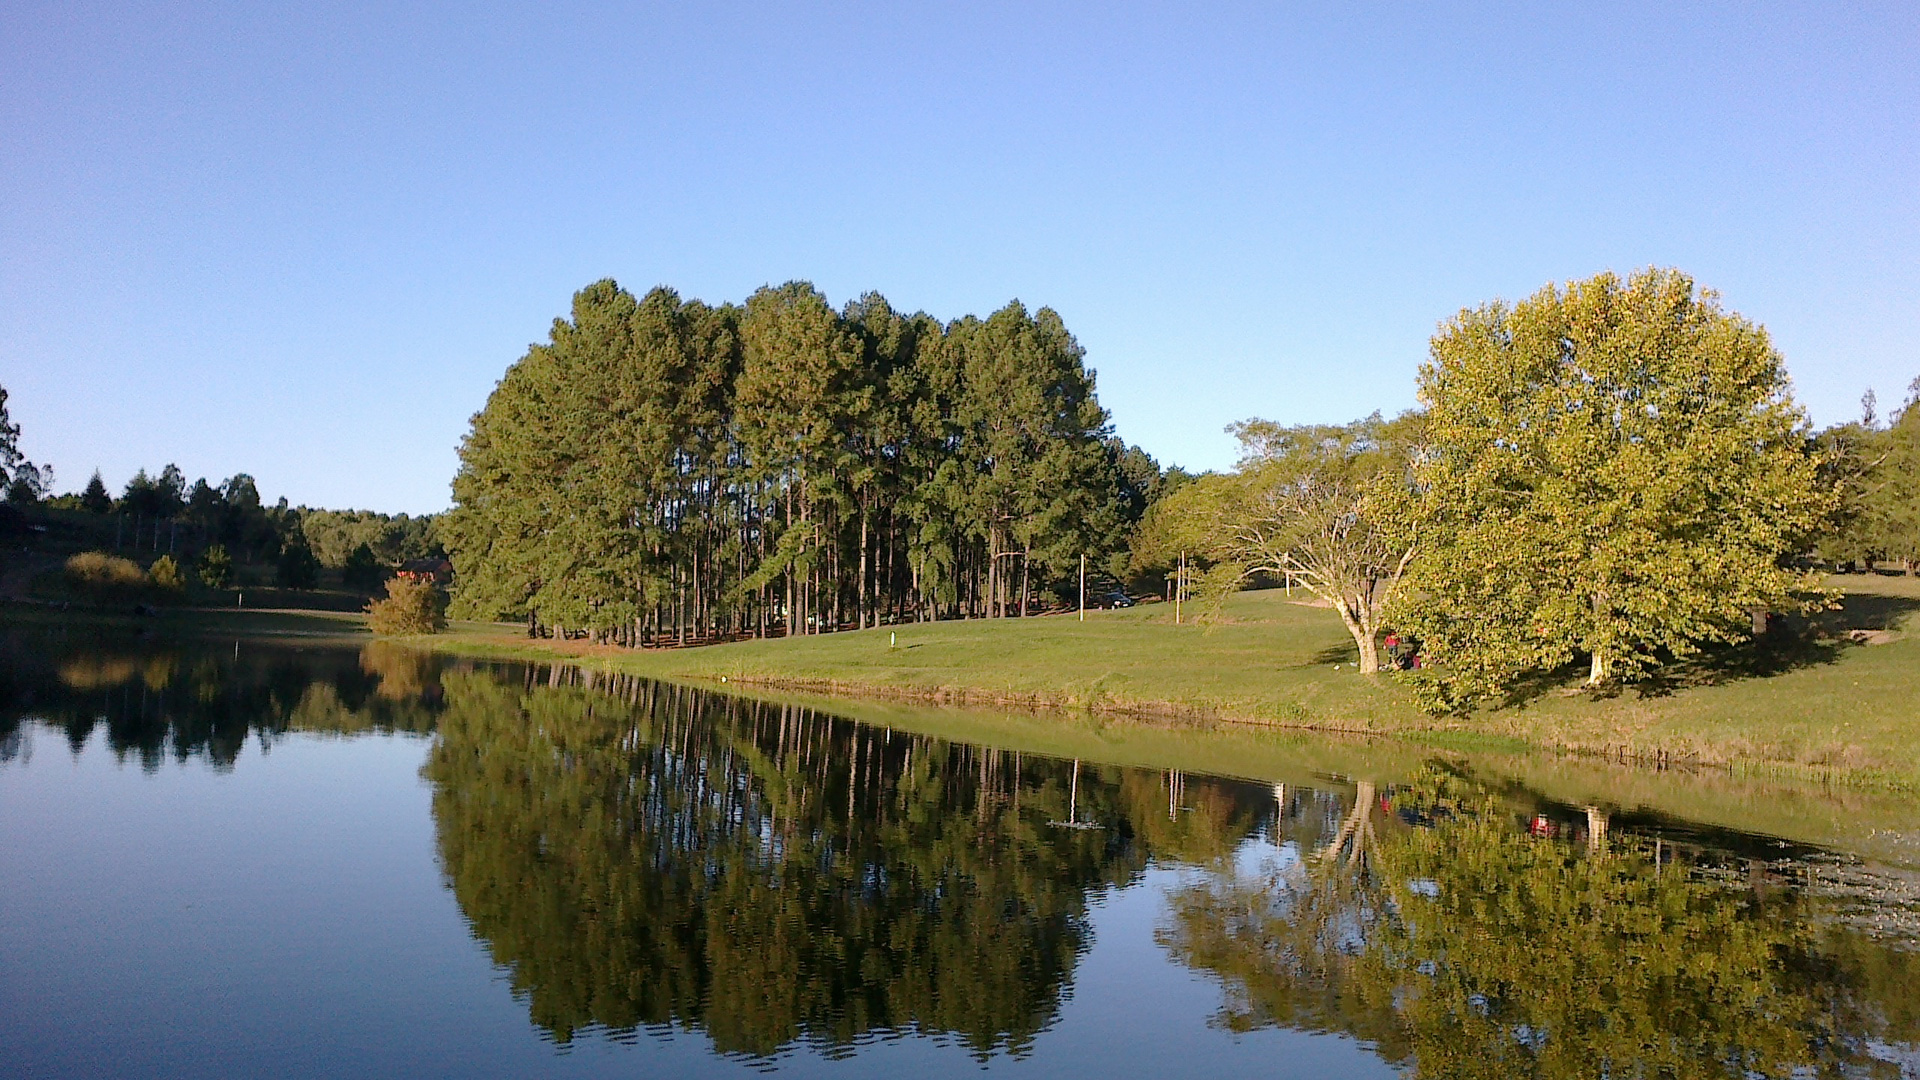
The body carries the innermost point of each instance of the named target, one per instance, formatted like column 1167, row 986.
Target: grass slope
column 1834, row 708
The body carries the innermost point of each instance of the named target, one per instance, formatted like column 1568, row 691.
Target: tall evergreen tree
column 94, row 499
column 664, row 469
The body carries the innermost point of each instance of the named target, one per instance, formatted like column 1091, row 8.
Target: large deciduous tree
column 1612, row 470
column 1322, row 506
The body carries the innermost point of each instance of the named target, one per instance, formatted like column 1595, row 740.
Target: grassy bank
column 1828, row 709
column 1746, row 774
column 1832, row 707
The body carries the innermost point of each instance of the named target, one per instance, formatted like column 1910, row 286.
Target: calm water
column 260, row 860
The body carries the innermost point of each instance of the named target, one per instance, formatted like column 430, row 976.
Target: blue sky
column 304, row 241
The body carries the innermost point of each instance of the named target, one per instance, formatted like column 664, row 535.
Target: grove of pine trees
column 663, row 470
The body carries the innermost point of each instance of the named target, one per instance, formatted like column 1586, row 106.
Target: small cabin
column 430, row 571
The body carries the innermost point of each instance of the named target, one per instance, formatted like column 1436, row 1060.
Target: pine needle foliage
column 664, row 470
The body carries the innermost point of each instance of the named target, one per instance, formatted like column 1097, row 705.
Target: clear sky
column 303, row 241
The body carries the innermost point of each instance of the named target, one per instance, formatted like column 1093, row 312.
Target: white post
column 1083, row 588
column 1179, row 587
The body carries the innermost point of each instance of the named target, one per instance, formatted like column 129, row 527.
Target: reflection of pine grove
column 766, row 873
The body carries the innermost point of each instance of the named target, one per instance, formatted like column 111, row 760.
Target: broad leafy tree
column 1319, row 506
column 1613, row 470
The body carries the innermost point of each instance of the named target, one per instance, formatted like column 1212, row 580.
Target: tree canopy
column 21, row 481
column 1875, row 469
column 661, row 468
column 1320, row 505
column 1613, row 469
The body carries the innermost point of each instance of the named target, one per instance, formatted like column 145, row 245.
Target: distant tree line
column 217, row 528
column 1875, row 465
column 663, row 469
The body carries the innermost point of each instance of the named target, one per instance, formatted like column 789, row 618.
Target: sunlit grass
column 1843, row 708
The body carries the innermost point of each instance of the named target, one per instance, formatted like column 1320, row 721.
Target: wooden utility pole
column 1083, row 588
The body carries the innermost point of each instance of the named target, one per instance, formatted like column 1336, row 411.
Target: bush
column 410, row 607
column 165, row 573
column 216, row 567
column 106, row 575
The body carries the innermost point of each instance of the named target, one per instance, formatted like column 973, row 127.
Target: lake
column 275, row 858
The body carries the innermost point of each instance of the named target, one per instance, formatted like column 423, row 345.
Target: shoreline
column 1486, row 732
column 1845, row 717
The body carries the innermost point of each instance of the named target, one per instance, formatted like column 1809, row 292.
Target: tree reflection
column 1465, row 948
column 768, row 874
column 157, row 700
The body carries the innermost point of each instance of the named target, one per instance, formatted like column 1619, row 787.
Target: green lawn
column 1839, row 708
column 1836, row 710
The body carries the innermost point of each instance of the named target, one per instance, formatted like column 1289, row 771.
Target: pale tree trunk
column 1602, row 667
column 1024, row 557
column 993, row 570
column 1360, row 625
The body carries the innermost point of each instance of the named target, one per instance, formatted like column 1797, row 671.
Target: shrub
column 216, row 567
column 410, row 607
column 165, row 573
column 104, row 574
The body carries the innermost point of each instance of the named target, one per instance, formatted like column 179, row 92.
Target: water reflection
column 1442, row 929
column 771, row 875
column 157, row 699
column 640, row 859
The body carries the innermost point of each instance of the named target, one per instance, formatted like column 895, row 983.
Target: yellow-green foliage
column 1615, row 471
column 165, row 573
column 410, row 607
column 98, row 572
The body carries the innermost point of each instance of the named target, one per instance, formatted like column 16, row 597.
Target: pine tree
column 94, row 498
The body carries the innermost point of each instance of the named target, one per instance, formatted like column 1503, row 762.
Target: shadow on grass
column 1774, row 653
column 1336, row 654
column 1821, row 638
column 1791, row 644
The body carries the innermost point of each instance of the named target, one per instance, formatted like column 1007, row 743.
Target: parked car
column 1115, row 599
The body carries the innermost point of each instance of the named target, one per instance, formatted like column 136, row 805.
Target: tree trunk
column 860, row 593
column 1360, row 628
column 1024, row 579
column 993, row 571
column 1602, row 668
